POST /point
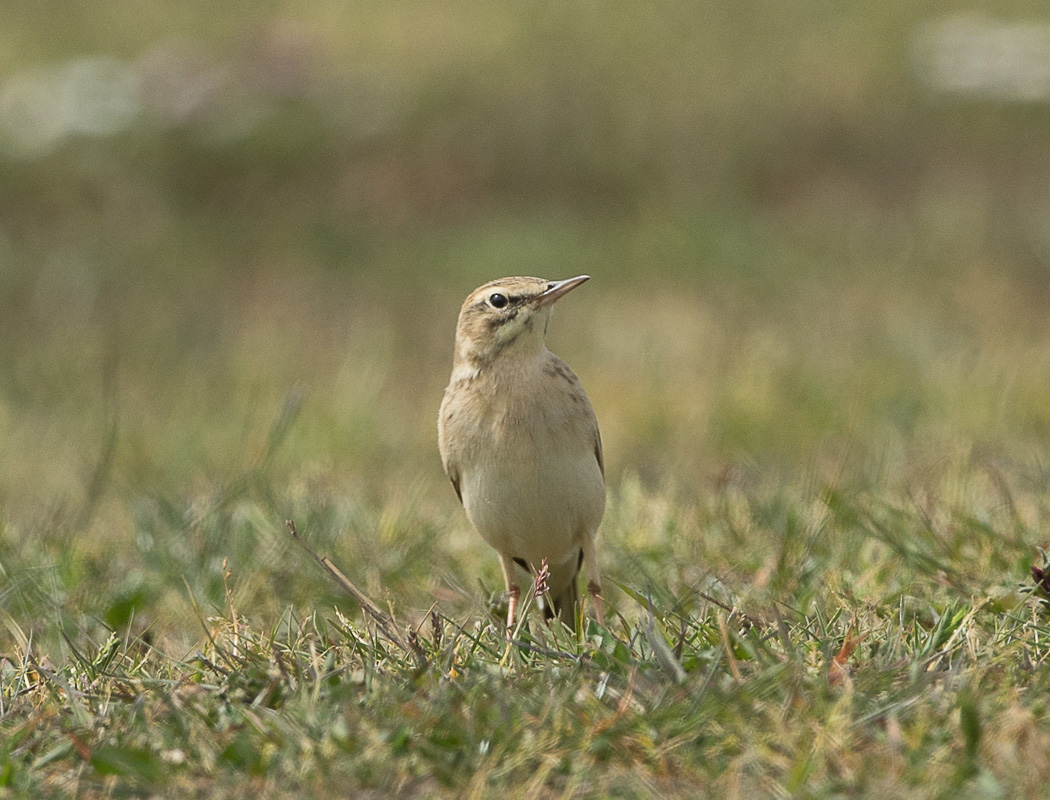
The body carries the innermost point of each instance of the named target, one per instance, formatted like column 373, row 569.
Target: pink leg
column 594, row 578
column 512, row 607
column 513, row 590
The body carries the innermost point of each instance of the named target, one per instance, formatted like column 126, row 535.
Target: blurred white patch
column 222, row 102
column 32, row 121
column 985, row 57
column 172, row 84
column 173, row 756
column 178, row 83
column 101, row 94
column 42, row 107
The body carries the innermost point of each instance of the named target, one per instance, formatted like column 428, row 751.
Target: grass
column 862, row 645
column 816, row 341
column 861, row 625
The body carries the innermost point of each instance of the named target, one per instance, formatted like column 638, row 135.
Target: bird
column 520, row 442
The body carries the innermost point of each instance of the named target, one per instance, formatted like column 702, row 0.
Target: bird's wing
column 444, row 445
column 558, row 369
column 453, row 475
column 598, row 449
column 450, row 469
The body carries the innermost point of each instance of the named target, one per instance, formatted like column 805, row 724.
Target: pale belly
column 536, row 508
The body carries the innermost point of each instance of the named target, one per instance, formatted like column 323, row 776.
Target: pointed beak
column 558, row 289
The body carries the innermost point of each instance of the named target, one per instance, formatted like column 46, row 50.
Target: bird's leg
column 595, row 591
column 513, row 590
column 513, row 593
column 594, row 578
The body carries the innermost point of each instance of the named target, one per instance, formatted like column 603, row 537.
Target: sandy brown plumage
column 520, row 442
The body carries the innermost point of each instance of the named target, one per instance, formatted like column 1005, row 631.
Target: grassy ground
column 815, row 339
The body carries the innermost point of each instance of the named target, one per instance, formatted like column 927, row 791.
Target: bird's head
column 507, row 315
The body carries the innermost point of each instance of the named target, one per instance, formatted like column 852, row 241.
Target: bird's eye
column 498, row 300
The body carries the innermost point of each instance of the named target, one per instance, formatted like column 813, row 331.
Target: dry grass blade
column 383, row 620
column 734, row 668
column 838, row 669
column 664, row 655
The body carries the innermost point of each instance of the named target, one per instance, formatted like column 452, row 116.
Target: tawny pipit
column 520, row 442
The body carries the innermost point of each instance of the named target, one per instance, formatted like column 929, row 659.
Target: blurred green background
column 234, row 240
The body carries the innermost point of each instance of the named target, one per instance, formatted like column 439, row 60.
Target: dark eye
column 498, row 300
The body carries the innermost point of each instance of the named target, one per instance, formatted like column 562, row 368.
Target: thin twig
column 383, row 620
column 729, row 609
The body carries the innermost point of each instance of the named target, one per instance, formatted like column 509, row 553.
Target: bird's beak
column 557, row 289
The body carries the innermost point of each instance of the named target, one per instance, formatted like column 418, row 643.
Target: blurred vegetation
column 817, row 281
